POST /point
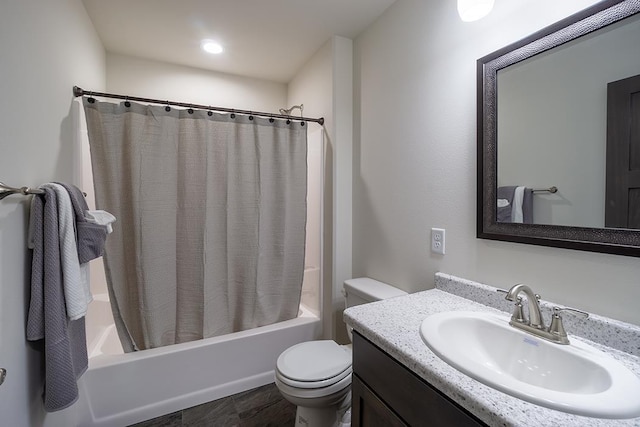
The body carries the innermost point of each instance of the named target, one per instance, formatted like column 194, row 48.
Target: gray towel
column 65, row 347
column 90, row 237
column 503, row 214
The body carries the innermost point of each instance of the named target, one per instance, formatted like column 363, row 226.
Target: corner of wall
column 325, row 86
column 342, row 55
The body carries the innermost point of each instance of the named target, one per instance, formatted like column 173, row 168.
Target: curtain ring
column 271, row 120
column 210, row 113
column 126, row 102
column 167, row 108
column 232, row 115
column 190, row 111
column 288, row 121
column 91, row 100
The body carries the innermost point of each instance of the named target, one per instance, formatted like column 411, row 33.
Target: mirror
column 546, row 122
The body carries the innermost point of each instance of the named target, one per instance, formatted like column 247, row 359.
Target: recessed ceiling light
column 211, row 46
column 472, row 10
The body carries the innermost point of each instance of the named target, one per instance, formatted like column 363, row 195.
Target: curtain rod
column 78, row 91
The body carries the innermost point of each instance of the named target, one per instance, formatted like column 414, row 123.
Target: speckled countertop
column 393, row 325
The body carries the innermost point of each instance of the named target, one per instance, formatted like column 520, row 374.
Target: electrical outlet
column 437, row 240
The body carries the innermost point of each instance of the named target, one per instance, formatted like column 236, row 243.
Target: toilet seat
column 314, row 364
column 314, row 396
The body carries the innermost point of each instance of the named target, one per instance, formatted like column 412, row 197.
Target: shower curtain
column 211, row 215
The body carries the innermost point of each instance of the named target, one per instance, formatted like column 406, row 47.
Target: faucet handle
column 579, row 313
column 518, row 313
column 557, row 328
column 502, row 291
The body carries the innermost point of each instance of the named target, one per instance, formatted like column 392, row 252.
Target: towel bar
column 5, row 190
column 553, row 189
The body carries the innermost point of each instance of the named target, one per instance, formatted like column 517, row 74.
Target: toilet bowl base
column 328, row 416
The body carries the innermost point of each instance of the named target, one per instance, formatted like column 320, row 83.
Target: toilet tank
column 363, row 290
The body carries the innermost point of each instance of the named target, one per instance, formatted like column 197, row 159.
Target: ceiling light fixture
column 472, row 10
column 211, row 46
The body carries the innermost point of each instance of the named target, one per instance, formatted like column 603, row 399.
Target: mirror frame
column 605, row 240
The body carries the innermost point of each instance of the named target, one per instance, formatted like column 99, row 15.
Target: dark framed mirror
column 548, row 119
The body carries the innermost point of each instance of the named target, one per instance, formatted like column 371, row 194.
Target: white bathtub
column 120, row 389
column 102, row 337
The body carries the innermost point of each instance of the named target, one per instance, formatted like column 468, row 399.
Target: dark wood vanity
column 385, row 393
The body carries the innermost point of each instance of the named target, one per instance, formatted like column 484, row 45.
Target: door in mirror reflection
column 623, row 154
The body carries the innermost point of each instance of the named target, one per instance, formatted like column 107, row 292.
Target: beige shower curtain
column 211, row 213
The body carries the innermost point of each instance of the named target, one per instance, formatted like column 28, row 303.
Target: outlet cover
column 437, row 240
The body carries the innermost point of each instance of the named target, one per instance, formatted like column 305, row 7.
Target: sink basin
column 575, row 378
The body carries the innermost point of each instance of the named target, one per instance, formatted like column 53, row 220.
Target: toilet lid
column 314, row 361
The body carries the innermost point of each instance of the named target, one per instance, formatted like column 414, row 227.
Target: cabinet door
column 411, row 399
column 367, row 410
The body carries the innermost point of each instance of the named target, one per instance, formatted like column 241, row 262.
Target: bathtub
column 121, row 389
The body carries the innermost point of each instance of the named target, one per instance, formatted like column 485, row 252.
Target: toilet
column 316, row 375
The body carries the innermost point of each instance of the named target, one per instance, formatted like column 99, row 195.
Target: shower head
column 287, row 111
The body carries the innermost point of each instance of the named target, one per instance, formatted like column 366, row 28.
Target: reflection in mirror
column 557, row 110
column 552, row 126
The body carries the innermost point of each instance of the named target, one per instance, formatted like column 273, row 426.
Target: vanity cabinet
column 385, row 393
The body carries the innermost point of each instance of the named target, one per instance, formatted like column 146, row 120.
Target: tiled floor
column 263, row 406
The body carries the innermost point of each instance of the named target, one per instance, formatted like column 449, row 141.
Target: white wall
column 128, row 75
column 45, row 49
column 415, row 160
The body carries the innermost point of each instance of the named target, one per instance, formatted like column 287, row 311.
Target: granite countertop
column 393, row 325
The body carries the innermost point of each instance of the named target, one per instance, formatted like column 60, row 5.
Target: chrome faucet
column 535, row 325
column 535, row 316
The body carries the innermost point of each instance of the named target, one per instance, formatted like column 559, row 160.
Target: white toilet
column 316, row 375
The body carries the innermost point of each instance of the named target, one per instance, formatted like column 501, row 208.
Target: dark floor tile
column 257, row 397
column 280, row 413
column 219, row 413
column 260, row 407
column 170, row 420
